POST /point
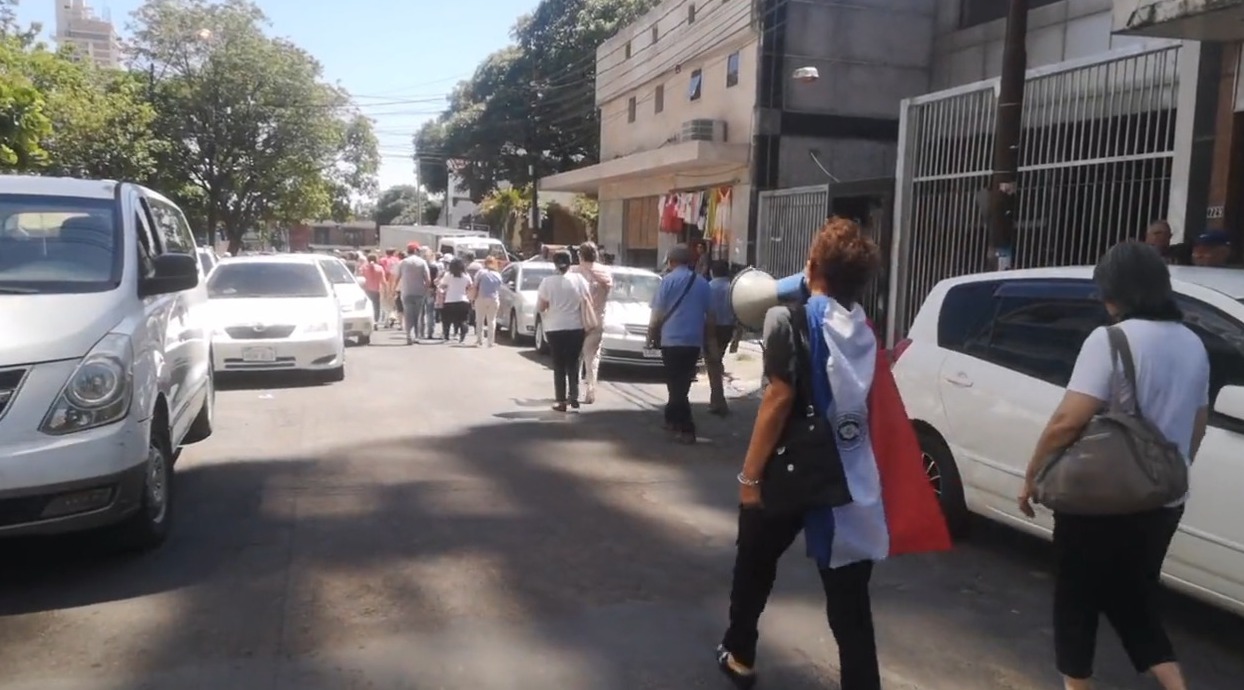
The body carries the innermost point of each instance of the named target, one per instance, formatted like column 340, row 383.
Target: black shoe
column 574, row 404
column 559, row 407
column 743, row 677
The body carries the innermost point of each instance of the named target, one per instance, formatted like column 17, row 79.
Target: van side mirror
column 1230, row 402
column 173, row 273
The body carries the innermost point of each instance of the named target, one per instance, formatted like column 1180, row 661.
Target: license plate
column 651, row 353
column 258, row 354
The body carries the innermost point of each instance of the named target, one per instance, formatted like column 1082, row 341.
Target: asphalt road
column 428, row 524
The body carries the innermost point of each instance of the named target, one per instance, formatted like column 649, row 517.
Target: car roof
column 34, row 185
column 1228, row 281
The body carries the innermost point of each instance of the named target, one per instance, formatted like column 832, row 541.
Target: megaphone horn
column 753, row 293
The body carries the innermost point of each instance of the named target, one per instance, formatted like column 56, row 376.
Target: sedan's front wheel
column 542, row 345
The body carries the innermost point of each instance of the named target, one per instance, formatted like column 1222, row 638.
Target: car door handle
column 960, row 379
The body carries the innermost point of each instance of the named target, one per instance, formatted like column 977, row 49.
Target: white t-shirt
column 1171, row 388
column 565, row 294
column 455, row 287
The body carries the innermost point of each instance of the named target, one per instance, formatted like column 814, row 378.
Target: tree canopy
column 536, row 95
column 399, row 205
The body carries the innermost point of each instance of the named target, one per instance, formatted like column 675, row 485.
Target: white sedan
column 626, row 318
column 520, row 281
column 357, row 312
column 275, row 313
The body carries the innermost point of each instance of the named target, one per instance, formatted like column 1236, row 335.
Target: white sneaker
column 590, row 398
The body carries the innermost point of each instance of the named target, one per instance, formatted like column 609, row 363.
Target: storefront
column 701, row 214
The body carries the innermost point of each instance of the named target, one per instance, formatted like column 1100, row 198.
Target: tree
column 529, row 105
column 399, row 205
column 507, row 209
column 254, row 134
column 24, row 123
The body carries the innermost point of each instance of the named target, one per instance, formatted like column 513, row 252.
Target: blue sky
column 398, row 57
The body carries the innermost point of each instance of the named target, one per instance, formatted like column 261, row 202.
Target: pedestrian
column 563, row 302
column 681, row 312
column 432, row 314
column 600, row 283
column 457, row 305
column 871, row 442
column 414, row 286
column 487, row 302
column 721, row 333
column 1111, row 564
column 373, row 284
column 1212, row 249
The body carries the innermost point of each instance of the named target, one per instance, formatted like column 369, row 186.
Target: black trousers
column 455, row 319
column 1110, row 565
column 566, row 347
column 763, row 538
column 375, row 304
column 679, row 364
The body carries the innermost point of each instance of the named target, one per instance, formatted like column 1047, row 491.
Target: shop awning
column 674, row 158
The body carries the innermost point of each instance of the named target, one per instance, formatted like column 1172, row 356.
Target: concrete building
column 91, row 35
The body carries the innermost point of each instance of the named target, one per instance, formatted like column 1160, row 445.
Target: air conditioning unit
column 703, row 130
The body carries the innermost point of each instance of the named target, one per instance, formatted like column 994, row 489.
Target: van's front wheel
column 148, row 527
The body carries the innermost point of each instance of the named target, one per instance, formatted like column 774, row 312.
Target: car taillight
column 899, row 348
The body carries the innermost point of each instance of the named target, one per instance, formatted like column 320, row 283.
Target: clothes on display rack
column 706, row 210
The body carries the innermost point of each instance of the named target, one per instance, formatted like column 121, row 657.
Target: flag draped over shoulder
column 893, row 510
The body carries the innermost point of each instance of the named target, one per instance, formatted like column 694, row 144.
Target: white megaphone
column 753, row 292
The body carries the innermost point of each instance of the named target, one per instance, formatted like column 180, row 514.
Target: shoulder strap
column 803, row 360
column 1120, row 348
column 678, row 302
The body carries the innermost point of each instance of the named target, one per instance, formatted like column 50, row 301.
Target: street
column 429, row 523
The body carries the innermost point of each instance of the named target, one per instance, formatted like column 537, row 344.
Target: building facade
column 93, row 36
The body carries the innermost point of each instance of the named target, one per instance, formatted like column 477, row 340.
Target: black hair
column 720, row 269
column 561, row 260
column 1133, row 277
column 457, row 268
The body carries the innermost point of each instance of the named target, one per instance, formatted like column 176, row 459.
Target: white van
column 105, row 368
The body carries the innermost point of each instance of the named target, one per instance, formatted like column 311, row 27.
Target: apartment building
column 94, row 37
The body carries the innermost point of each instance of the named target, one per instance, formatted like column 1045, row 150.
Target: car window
column 1223, row 337
column 533, row 276
column 265, row 279
column 966, row 309
column 508, row 274
column 54, row 244
column 634, row 287
column 337, row 272
column 205, row 260
column 171, row 225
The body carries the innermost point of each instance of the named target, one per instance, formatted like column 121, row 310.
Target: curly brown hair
column 844, row 259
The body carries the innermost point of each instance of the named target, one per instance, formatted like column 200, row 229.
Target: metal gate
column 1096, row 152
column 786, row 222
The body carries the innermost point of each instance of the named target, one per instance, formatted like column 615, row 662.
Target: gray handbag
column 1121, row 464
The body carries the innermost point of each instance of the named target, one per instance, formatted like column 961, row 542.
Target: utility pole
column 418, row 192
column 533, row 152
column 1003, row 205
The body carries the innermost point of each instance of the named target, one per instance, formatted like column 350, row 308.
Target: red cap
column 412, row 247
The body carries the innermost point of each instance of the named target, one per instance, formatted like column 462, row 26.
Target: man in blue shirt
column 681, row 314
column 722, row 332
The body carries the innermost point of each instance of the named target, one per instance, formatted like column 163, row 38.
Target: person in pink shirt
column 373, row 284
column 599, row 282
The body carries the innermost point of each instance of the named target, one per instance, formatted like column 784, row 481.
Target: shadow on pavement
column 272, row 380
column 586, row 554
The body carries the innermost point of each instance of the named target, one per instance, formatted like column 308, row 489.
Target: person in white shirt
column 562, row 301
column 600, row 283
column 457, row 286
column 1112, row 564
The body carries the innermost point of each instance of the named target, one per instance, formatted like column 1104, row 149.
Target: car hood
column 246, row 312
column 627, row 313
column 46, row 328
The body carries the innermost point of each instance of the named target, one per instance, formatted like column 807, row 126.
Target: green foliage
column 399, row 205
column 530, row 104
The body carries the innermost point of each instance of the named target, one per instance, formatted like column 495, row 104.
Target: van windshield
column 56, row 244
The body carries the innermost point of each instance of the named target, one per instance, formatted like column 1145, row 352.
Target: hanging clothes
column 723, row 215
column 710, row 218
column 670, row 220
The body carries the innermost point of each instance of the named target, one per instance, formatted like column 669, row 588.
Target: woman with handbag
column 564, row 304
column 1112, row 463
column 832, row 454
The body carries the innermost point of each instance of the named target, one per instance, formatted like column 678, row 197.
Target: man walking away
column 681, row 312
column 414, row 285
column 599, row 282
column 721, row 333
column 487, row 302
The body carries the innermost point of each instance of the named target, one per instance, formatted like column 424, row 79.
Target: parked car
column 356, row 306
column 276, row 313
column 207, row 259
column 627, row 313
column 105, row 363
column 520, row 281
column 986, row 362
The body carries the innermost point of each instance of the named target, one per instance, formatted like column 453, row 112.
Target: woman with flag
column 828, row 348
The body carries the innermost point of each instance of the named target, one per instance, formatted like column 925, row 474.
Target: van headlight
column 98, row 392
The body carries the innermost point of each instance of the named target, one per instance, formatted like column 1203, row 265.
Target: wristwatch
column 747, row 482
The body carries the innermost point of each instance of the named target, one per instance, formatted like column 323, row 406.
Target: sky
column 399, row 58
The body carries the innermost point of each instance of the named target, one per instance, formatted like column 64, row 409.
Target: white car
column 987, row 361
column 105, row 369
column 275, row 313
column 627, row 314
column 357, row 311
column 520, row 281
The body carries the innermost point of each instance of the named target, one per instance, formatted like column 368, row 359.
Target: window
column 697, row 81
column 732, row 69
column 265, row 279
column 656, row 33
column 323, row 236
column 627, row 50
column 532, row 277
column 1033, row 327
column 630, row 109
column 337, row 272
column 658, row 99
column 691, row 14
column 1223, row 337
column 973, row 12
column 172, row 228
column 509, row 274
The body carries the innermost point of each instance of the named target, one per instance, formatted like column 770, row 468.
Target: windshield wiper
column 17, row 291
